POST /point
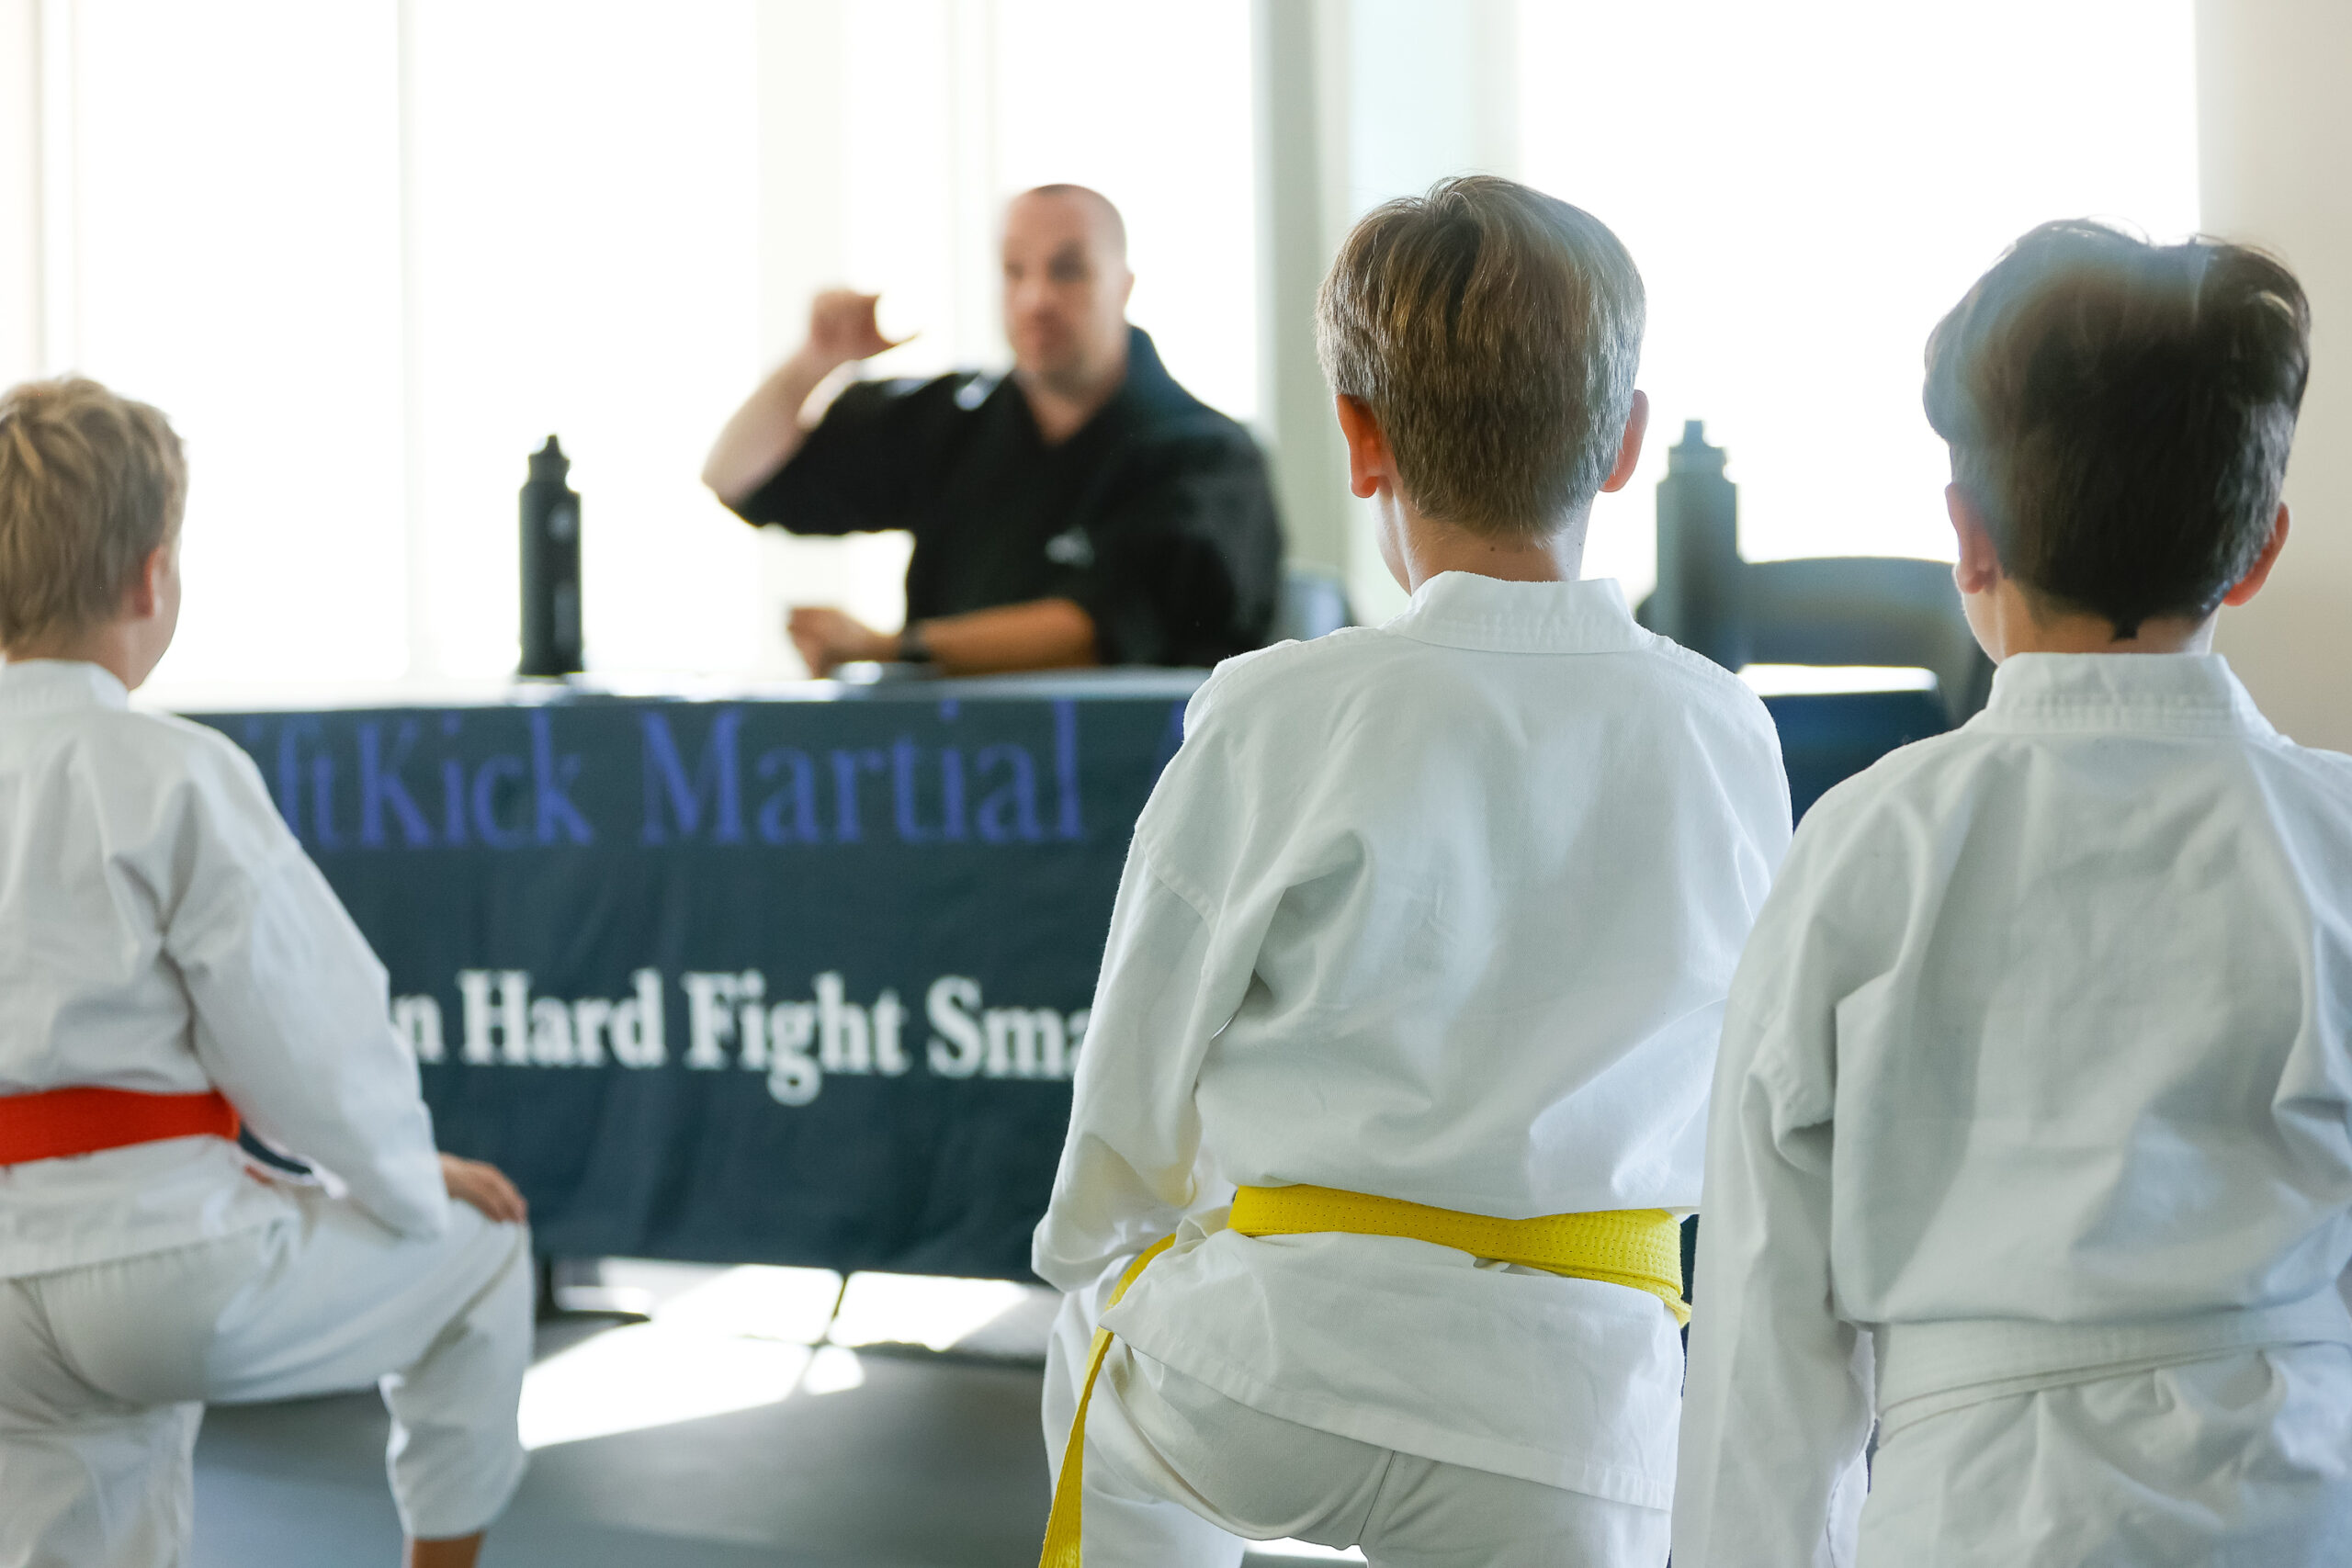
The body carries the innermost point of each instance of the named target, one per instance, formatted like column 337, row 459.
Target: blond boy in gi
column 1441, row 912
column 171, row 962
column 2032, row 1134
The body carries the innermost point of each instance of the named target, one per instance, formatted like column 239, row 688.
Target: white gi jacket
column 162, row 930
column 2044, row 1027
column 1443, row 912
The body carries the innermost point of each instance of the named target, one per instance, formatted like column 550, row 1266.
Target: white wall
column 2275, row 144
column 20, row 354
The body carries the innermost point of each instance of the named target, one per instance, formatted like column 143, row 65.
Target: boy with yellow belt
column 1409, row 1002
column 2033, row 1134
column 170, row 963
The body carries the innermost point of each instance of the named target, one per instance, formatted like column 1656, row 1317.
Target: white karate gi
column 161, row 930
column 1443, row 912
column 2030, row 1129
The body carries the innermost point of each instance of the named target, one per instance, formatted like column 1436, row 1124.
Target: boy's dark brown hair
column 90, row 484
column 2120, row 414
column 1494, row 332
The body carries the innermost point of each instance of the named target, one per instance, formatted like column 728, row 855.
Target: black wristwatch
column 913, row 648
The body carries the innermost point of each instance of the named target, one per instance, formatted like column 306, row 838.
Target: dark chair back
column 1869, row 609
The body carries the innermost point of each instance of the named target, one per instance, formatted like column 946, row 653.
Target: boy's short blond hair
column 1494, row 332
column 90, row 484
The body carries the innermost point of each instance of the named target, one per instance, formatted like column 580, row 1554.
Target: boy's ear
column 146, row 593
column 2259, row 572
column 1629, row 450
column 1978, row 569
column 1370, row 466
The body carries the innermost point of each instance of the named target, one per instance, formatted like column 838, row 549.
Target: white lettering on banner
column 750, row 993
column 889, row 1018
column 418, row 1020
column 1025, row 1042
column 795, row 1044
column 710, row 1017
column 845, row 1037
column 591, row 1017
column 552, row 1043
column 955, row 1050
column 794, row 1076
column 505, row 1025
column 486, row 1029
column 636, row 1023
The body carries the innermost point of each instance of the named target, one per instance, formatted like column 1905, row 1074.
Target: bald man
column 1083, row 510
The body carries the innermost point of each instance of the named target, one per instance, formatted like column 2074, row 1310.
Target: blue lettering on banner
column 379, row 782
column 797, row 797
column 382, row 785
column 551, row 776
column 453, row 786
column 487, row 795
column 715, row 780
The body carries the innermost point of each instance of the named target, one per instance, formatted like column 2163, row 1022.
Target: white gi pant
column 2241, row 1459
column 1179, row 1476
column 104, row 1371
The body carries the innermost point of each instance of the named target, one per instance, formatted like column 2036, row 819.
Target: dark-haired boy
column 2032, row 1127
column 1413, row 985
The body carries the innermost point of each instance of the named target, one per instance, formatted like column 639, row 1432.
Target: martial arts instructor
column 1083, row 510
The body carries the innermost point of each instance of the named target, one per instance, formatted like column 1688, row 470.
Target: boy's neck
column 1429, row 548
column 115, row 648
column 2011, row 621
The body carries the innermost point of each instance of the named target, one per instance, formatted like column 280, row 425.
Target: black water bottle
column 1698, row 600
column 551, row 642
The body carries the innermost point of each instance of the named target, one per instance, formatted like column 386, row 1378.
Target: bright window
column 949, row 119
column 368, row 257
column 234, row 238
column 1807, row 187
column 584, row 251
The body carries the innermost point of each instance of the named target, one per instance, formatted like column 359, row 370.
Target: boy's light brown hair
column 90, row 484
column 1494, row 332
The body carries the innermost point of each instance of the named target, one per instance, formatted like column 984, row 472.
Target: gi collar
column 1458, row 609
column 43, row 686
column 2193, row 692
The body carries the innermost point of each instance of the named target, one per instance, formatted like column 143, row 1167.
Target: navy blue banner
column 789, row 981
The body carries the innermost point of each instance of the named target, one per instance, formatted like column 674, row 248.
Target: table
column 789, row 977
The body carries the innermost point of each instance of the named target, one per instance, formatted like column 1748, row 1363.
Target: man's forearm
column 1044, row 633
column 767, row 431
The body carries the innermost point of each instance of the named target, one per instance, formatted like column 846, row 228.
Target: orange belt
column 56, row 1123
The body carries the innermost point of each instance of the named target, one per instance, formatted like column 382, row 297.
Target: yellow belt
column 1641, row 1248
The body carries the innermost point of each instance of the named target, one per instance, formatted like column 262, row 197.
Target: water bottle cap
column 1692, row 454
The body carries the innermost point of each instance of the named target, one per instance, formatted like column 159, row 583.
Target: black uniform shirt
column 1157, row 516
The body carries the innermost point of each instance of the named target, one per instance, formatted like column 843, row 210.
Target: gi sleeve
column 291, row 1014
column 1174, row 971
column 1778, row 1401
column 1188, row 563
column 876, row 460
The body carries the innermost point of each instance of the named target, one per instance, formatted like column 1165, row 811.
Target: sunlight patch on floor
column 791, row 1305
column 651, row 1375
column 723, row 1340
column 911, row 1309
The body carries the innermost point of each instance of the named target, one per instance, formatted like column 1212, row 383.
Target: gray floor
column 885, row 1457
